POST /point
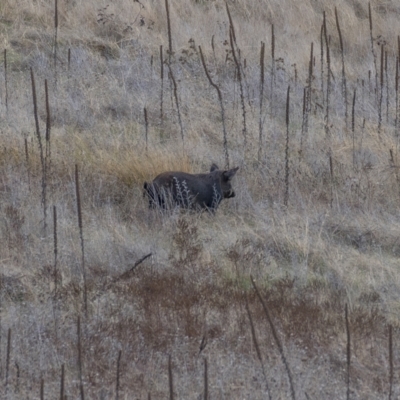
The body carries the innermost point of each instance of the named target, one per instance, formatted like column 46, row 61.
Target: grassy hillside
column 293, row 285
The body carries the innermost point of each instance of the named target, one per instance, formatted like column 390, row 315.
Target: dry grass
column 336, row 242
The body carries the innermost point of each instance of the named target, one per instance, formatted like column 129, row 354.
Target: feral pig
column 193, row 191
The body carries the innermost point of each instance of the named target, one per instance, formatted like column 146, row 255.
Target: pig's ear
column 214, row 167
column 228, row 175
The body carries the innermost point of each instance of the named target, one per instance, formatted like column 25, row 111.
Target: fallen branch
column 137, row 263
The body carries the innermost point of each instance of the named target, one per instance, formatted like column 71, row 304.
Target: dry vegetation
column 293, row 286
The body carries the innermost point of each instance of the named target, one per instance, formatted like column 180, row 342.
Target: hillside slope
column 293, row 285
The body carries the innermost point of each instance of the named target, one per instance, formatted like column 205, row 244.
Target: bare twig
column 80, row 224
column 348, row 352
column 162, row 85
column 381, row 90
column 27, row 163
column 5, row 79
column 276, row 338
column 328, row 78
column 272, row 83
column 35, row 113
column 230, row 22
column 42, row 389
column 80, row 361
column 344, row 82
column 239, row 75
column 352, row 127
column 170, row 379
column 396, row 123
column 390, row 362
column 372, row 44
column 205, row 379
column 257, row 347
column 118, row 371
column 8, row 357
column 286, row 197
column 146, row 124
column 55, row 40
column 177, row 104
column 62, row 383
column 332, row 177
column 260, row 124
column 169, row 32
column 216, row 87
column 55, row 249
column 129, row 271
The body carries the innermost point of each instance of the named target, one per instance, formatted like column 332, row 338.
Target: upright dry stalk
column 232, row 27
column 272, row 83
column 286, row 197
column 169, row 32
column 295, row 75
column 362, row 96
column 118, row 371
column 8, row 357
column 381, row 91
column 276, row 338
column 260, row 125
column 27, row 163
column 348, row 352
column 18, row 375
column 146, row 124
column 352, row 127
column 328, row 79
column 332, row 177
column 55, row 272
column 5, row 79
column 42, row 389
column 55, row 40
column 1, row 323
column 310, row 79
column 221, row 103
column 369, row 84
column 55, row 249
column 213, row 49
column 62, row 383
column 398, row 46
column 80, row 367
column 257, row 347
column 162, row 85
column 177, row 103
column 396, row 121
column 69, row 62
column 80, row 224
column 396, row 169
column 205, row 379
column 322, row 62
column 170, row 379
column 344, row 82
column 239, row 75
column 48, row 125
column 35, row 113
column 42, row 156
column 387, row 87
column 372, row 44
column 307, row 99
column 47, row 155
column 390, row 362
column 303, row 124
column 397, row 86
